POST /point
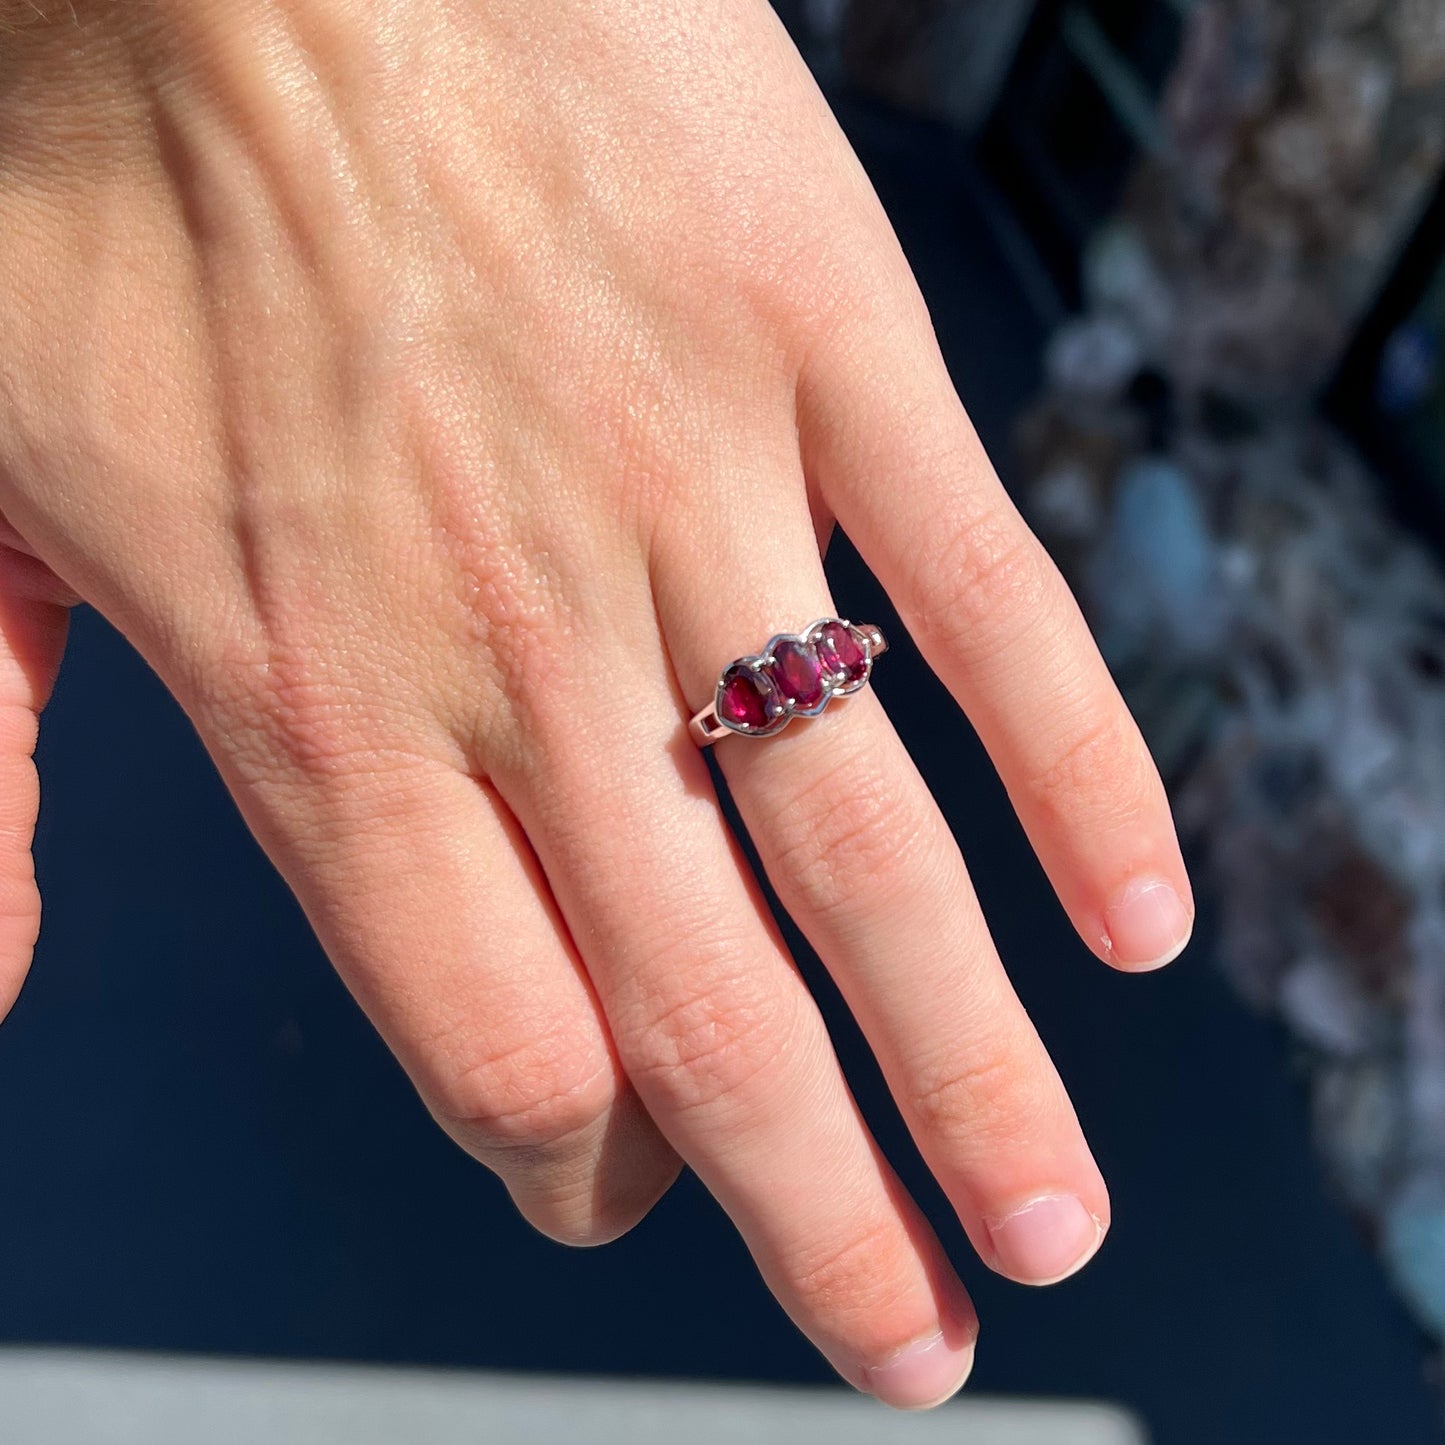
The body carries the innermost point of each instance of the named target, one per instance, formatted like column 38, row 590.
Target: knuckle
column 705, row 1045
column 830, row 843
column 978, row 583
column 533, row 1098
column 516, row 612
column 1102, row 771
column 987, row 1100
column 857, row 1278
column 291, row 715
column 524, row 643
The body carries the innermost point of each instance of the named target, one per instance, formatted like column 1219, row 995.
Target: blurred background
column 1185, row 260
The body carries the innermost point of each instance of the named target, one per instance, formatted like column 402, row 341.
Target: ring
column 796, row 675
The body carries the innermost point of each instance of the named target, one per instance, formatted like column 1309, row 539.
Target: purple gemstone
column 798, row 674
column 747, row 699
column 843, row 652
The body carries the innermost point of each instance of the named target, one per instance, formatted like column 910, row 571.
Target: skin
column 396, row 376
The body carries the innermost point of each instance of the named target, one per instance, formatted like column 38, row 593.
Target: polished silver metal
column 708, row 726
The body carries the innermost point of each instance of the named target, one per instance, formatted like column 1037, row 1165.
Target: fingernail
column 921, row 1375
column 1045, row 1241
column 1148, row 925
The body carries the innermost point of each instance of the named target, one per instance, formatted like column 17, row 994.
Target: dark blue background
column 203, row 1147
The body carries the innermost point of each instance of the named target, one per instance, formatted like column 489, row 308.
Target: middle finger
column 718, row 1033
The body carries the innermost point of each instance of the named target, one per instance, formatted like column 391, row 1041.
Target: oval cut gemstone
column 843, row 653
column 747, row 699
column 798, row 674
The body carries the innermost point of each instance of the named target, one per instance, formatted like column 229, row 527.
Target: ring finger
column 866, row 865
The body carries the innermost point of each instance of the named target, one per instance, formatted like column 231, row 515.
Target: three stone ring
column 796, row 675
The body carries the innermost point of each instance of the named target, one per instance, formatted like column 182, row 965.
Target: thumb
column 33, row 620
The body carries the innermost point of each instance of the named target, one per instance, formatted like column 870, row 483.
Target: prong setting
column 796, row 675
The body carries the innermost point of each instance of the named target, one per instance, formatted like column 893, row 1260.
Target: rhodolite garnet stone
column 797, row 675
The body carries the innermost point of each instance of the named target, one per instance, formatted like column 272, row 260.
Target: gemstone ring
column 796, row 675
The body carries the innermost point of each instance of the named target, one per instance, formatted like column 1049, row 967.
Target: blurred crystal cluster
column 1280, row 635
column 1284, row 646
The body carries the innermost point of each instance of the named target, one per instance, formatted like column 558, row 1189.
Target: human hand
column 438, row 396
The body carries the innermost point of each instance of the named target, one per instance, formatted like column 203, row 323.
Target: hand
column 438, row 395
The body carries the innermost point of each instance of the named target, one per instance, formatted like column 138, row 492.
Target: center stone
column 798, row 674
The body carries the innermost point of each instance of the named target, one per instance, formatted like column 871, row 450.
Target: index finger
column 906, row 475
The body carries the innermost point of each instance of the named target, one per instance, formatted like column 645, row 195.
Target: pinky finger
column 425, row 894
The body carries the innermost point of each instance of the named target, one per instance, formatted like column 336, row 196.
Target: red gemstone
column 748, row 699
column 841, row 648
column 798, row 674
